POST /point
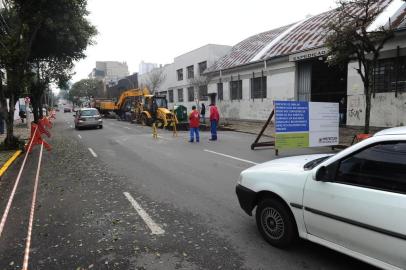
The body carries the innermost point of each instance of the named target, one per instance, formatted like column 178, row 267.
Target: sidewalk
column 254, row 127
column 21, row 131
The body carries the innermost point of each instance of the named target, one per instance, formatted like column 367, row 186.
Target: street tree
column 39, row 34
column 86, row 88
column 349, row 38
column 198, row 82
column 154, row 79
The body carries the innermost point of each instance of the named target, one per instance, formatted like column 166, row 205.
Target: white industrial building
column 182, row 77
column 289, row 63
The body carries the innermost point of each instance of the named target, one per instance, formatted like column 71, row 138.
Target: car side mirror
column 321, row 174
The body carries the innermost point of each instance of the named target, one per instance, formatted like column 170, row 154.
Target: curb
column 4, row 168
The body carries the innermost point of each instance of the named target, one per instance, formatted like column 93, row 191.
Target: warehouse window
column 190, row 72
column 220, row 91
column 190, row 93
column 170, row 94
column 389, row 75
column 202, row 67
column 180, row 95
column 236, row 90
column 203, row 92
column 258, row 87
column 180, row 74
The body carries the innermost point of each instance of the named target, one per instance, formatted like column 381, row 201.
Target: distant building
column 97, row 74
column 180, row 85
column 110, row 71
column 146, row 67
column 123, row 84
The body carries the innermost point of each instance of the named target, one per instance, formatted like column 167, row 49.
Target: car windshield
column 88, row 113
column 310, row 165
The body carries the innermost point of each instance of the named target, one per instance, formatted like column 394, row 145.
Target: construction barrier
column 37, row 130
column 360, row 137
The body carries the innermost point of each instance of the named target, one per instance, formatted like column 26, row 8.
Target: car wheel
column 101, row 126
column 276, row 223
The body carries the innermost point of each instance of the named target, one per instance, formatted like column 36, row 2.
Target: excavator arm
column 130, row 93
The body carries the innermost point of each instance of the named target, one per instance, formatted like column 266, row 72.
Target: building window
column 190, row 93
column 190, row 72
column 180, row 95
column 180, row 74
column 203, row 92
column 258, row 87
column 220, row 91
column 202, row 67
column 236, row 90
column 170, row 94
column 389, row 75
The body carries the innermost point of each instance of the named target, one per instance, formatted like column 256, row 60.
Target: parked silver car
column 88, row 117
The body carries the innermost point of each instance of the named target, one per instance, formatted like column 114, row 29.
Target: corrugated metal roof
column 309, row 34
column 244, row 51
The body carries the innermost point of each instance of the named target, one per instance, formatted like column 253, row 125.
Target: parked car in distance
column 88, row 117
column 66, row 109
column 353, row 202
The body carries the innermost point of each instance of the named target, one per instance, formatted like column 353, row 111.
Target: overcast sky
column 158, row 30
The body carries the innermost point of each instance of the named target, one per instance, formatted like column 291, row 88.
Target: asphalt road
column 93, row 182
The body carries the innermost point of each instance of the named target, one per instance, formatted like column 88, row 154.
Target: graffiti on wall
column 355, row 109
column 355, row 113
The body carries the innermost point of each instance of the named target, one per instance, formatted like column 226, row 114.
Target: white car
column 353, row 202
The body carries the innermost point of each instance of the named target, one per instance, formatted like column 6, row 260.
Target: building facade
column 146, row 67
column 185, row 82
column 289, row 63
column 112, row 70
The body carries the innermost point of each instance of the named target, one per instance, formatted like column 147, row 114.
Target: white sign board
column 306, row 124
column 323, row 124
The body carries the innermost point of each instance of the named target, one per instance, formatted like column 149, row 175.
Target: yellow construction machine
column 138, row 105
column 153, row 107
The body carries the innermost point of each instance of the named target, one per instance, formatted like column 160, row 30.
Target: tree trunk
column 34, row 101
column 367, row 109
column 10, row 139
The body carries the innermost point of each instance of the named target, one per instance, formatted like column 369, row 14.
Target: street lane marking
column 80, row 137
column 34, row 199
column 126, row 127
column 92, row 152
column 10, row 200
column 236, row 158
column 155, row 229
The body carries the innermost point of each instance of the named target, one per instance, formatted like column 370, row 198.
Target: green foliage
column 349, row 39
column 39, row 42
column 86, row 88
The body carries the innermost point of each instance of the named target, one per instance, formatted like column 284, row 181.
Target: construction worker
column 194, row 123
column 203, row 113
column 214, row 121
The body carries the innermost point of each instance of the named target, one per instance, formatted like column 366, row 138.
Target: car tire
column 101, row 126
column 276, row 223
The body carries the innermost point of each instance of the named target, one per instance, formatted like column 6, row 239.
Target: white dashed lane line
column 92, row 152
column 155, row 228
column 80, row 137
column 228, row 156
